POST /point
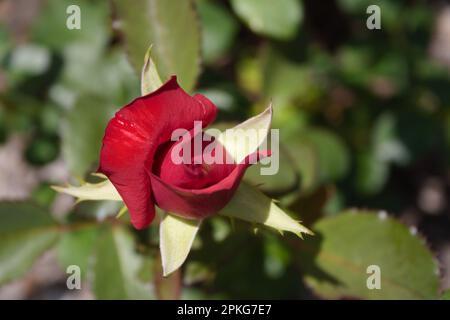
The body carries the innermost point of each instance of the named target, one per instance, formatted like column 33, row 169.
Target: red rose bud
column 137, row 157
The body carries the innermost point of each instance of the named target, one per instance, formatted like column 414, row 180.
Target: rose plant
column 137, row 164
column 345, row 148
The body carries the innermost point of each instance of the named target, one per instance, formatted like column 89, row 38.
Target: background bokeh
column 364, row 119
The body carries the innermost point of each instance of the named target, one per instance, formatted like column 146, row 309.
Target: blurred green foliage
column 363, row 115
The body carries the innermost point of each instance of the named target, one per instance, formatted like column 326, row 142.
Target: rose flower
column 137, row 158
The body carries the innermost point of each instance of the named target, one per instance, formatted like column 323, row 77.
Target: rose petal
column 133, row 136
column 199, row 203
column 191, row 175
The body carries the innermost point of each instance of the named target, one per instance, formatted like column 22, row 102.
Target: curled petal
column 190, row 174
column 199, row 203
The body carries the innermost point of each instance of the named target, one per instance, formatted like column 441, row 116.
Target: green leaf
column 176, row 238
column 385, row 148
column 219, row 29
column 117, row 266
column 240, row 141
column 249, row 74
column 26, row 231
column 52, row 18
column 99, row 210
column 445, row 295
column 100, row 72
column 334, row 160
column 83, row 132
column 335, row 262
column 76, row 247
column 150, row 80
column 391, row 9
column 277, row 256
column 104, row 190
column 172, row 27
column 196, row 272
column 89, row 64
column 308, row 166
column 252, row 205
column 279, row 78
column 279, row 20
column 284, row 181
column 372, row 174
column 320, row 156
